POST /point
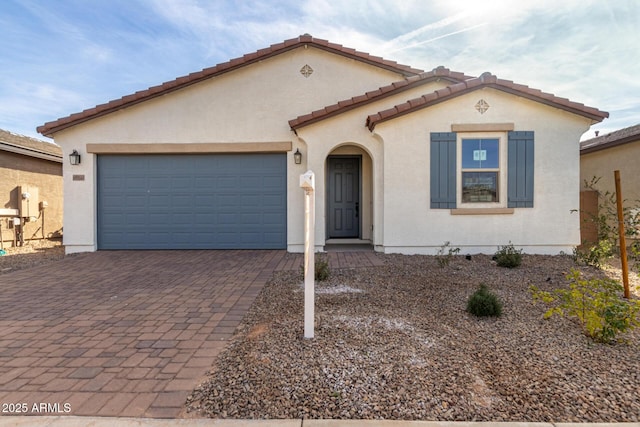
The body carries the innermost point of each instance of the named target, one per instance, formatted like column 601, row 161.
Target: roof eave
column 12, row 148
column 597, row 117
column 610, row 144
column 296, row 123
column 50, row 128
column 372, row 120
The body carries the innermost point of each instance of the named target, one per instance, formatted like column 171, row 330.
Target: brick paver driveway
column 121, row 333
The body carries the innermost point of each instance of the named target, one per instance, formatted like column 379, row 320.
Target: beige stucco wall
column 44, row 177
column 347, row 131
column 603, row 163
column 410, row 226
column 251, row 104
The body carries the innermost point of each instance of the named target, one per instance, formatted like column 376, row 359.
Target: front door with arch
column 343, row 196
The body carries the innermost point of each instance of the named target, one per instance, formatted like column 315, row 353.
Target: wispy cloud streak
column 431, row 40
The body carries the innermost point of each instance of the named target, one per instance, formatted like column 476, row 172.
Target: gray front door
column 343, row 197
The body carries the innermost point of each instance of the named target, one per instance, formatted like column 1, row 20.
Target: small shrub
column 444, row 258
column 594, row 255
column 634, row 249
column 596, row 303
column 321, row 269
column 508, row 256
column 484, row 303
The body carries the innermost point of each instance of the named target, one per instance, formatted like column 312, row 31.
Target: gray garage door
column 221, row 201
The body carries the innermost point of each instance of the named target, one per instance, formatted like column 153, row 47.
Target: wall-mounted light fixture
column 297, row 157
column 74, row 158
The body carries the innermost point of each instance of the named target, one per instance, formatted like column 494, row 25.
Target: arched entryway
column 349, row 195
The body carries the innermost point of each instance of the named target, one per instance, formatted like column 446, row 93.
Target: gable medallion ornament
column 306, row 70
column 482, row 106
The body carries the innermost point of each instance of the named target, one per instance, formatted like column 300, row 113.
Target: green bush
column 484, row 303
column 634, row 256
column 321, row 269
column 596, row 303
column 594, row 255
column 508, row 256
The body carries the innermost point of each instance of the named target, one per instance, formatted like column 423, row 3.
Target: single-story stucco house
column 30, row 188
column 404, row 160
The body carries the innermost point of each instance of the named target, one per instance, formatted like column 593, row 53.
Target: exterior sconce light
column 74, row 158
column 297, row 157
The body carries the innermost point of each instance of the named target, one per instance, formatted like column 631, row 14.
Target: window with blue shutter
column 443, row 170
column 520, row 169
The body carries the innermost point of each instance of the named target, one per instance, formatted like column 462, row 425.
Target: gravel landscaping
column 395, row 342
column 34, row 252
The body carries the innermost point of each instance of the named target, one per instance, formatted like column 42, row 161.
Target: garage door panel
column 204, row 200
column 192, row 201
column 272, row 201
column 139, row 183
column 159, row 200
column 273, row 218
column 160, row 218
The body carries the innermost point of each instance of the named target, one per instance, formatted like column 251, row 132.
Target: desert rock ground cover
column 395, row 342
column 34, row 252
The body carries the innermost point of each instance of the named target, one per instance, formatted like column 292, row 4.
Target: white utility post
column 308, row 183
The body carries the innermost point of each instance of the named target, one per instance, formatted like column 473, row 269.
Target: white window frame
column 502, row 172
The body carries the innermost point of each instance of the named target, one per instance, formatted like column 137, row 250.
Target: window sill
column 482, row 211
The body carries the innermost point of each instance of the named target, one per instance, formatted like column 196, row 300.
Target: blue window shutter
column 443, row 170
column 520, row 169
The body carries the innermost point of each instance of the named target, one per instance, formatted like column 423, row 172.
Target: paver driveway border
column 122, row 333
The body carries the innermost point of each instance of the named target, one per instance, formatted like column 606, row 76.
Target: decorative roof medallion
column 306, row 70
column 482, row 106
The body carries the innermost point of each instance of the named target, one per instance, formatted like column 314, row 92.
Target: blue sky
column 59, row 57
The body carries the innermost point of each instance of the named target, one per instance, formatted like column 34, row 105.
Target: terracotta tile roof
column 485, row 80
column 381, row 93
column 50, row 128
column 613, row 139
column 10, row 141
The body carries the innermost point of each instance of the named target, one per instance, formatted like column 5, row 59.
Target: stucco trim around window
column 500, row 170
column 211, row 147
column 483, row 211
column 482, row 127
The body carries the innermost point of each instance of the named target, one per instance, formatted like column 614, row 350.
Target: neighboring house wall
column 603, row 163
column 600, row 157
column 18, row 170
